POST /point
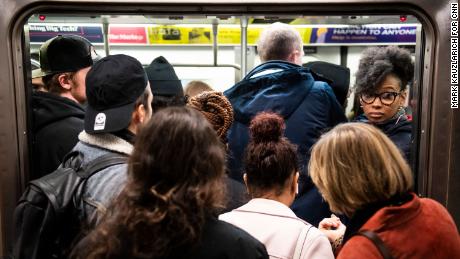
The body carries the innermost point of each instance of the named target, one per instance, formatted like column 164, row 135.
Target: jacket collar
column 107, row 141
column 267, row 206
column 383, row 214
column 281, row 92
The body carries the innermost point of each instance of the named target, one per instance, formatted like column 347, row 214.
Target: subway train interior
column 216, row 42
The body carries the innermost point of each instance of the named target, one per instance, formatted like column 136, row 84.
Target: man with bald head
column 280, row 84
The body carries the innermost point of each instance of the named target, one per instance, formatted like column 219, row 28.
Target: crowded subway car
column 353, row 64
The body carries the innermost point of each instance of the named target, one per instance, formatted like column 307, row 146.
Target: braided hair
column 217, row 110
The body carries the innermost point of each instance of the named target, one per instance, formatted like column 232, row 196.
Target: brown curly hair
column 217, row 109
column 174, row 183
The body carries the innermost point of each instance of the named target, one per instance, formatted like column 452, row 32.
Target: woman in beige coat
column 271, row 174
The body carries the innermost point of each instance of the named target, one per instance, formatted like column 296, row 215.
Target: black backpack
column 46, row 218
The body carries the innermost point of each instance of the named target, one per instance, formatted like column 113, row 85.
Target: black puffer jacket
column 56, row 123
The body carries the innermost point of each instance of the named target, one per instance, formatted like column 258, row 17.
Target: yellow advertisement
column 227, row 35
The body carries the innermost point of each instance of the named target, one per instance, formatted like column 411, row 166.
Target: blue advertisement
column 39, row 33
column 364, row 34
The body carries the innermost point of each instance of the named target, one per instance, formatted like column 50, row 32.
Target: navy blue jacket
column 398, row 130
column 309, row 108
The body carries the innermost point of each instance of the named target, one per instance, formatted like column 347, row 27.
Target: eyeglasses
column 386, row 98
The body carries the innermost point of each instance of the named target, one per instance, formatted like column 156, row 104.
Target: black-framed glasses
column 386, row 98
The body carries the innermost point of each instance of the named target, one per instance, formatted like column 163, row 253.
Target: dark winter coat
column 398, row 130
column 219, row 239
column 309, row 108
column 56, row 123
column 223, row 240
column 237, row 195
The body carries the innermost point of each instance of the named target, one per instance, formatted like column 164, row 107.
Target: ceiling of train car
column 150, row 19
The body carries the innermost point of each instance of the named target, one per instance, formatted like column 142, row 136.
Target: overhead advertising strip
column 227, row 34
column 39, row 33
column 365, row 34
column 127, row 35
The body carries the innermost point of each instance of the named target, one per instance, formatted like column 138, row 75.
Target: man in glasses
column 381, row 84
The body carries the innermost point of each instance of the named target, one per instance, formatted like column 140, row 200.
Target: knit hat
column 65, row 53
column 217, row 110
column 163, row 79
column 113, row 86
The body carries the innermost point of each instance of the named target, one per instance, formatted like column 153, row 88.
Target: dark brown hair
column 270, row 158
column 143, row 98
column 51, row 82
column 174, row 182
column 163, row 101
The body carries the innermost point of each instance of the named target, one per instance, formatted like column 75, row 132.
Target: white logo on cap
column 99, row 122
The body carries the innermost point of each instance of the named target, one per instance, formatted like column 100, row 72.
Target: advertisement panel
column 202, row 34
column 127, row 35
column 39, row 33
column 364, row 34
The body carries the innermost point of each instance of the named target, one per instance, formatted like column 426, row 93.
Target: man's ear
column 139, row 114
column 64, row 81
column 292, row 58
column 137, row 118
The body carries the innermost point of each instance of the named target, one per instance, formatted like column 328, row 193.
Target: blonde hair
column 278, row 41
column 355, row 164
column 196, row 87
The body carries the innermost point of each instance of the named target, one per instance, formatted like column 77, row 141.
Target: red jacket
column 420, row 228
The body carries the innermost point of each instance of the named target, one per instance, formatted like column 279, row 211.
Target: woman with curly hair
column 387, row 220
column 169, row 206
column 216, row 108
column 381, row 83
column 271, row 174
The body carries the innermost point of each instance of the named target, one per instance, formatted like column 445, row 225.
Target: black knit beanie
column 163, row 79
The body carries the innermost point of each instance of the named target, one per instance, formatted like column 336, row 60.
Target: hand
column 332, row 227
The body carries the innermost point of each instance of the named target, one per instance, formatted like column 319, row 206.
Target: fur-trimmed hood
column 107, row 141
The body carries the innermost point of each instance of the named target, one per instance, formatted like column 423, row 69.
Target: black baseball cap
column 65, row 53
column 113, row 84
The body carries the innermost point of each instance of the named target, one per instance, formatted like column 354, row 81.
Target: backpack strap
column 101, row 163
column 301, row 241
column 73, row 159
column 98, row 164
column 372, row 236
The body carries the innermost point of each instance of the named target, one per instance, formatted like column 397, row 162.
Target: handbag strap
column 384, row 251
column 300, row 241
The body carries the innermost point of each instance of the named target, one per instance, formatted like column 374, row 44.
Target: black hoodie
column 56, row 123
